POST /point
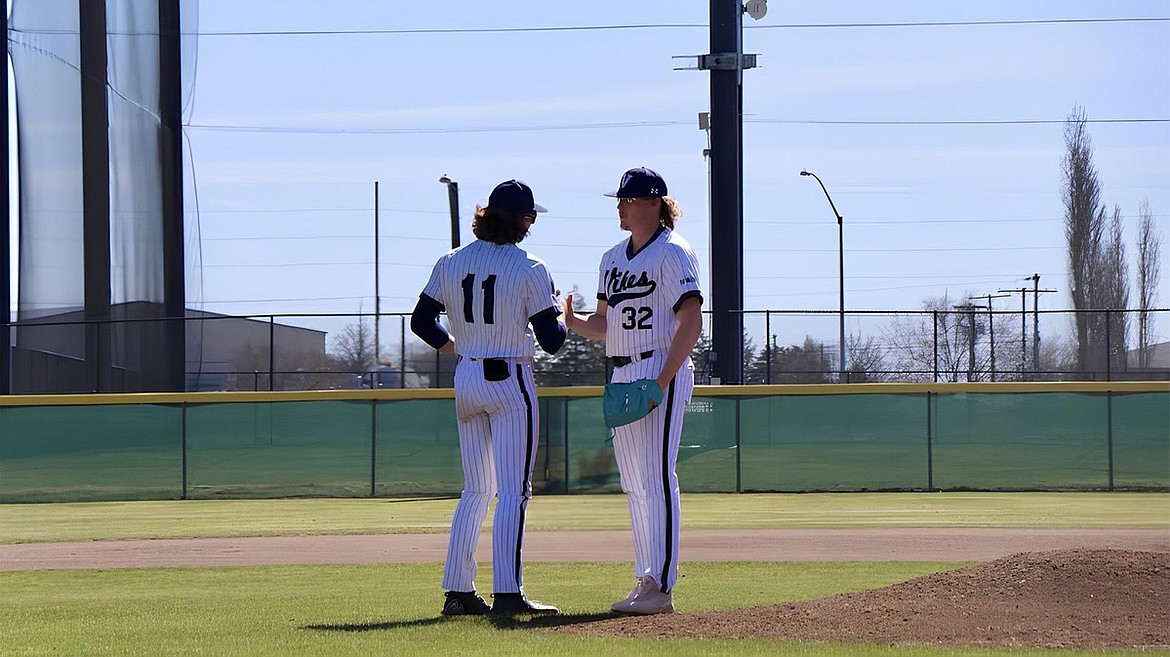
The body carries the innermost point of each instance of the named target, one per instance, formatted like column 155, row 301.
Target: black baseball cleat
column 464, row 603
column 514, row 604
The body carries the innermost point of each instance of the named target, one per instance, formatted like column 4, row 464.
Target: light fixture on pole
column 840, row 268
column 453, row 201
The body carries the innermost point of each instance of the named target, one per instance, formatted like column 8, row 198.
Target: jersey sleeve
column 540, row 292
column 434, row 286
column 680, row 272
column 601, row 295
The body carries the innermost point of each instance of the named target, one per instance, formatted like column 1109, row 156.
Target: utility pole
column 726, row 62
column 970, row 308
column 991, row 325
column 1036, row 321
column 1023, row 327
column 377, row 287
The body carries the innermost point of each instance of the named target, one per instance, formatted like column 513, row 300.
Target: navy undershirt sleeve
column 424, row 322
column 550, row 332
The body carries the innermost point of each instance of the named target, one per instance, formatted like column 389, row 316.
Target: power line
column 950, row 122
column 923, row 250
column 671, row 26
column 621, row 125
column 936, row 221
column 766, row 222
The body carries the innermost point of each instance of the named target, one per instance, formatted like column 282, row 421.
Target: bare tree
column 353, row 348
column 866, row 360
column 1115, row 292
column 928, row 345
column 1085, row 222
column 1148, row 273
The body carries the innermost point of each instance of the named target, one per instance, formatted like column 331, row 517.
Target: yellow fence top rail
column 743, row 391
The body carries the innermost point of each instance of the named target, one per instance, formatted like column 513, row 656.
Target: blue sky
column 288, row 132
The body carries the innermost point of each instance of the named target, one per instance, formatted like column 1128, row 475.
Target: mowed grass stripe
column 33, row 523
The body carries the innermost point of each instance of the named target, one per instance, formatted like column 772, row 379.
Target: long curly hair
column 669, row 212
column 499, row 227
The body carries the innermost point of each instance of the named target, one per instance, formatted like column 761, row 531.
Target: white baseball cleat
column 648, row 599
column 621, row 605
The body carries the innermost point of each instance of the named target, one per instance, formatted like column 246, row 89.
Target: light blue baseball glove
column 624, row 403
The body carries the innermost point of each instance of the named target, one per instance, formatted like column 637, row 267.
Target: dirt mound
column 1067, row 598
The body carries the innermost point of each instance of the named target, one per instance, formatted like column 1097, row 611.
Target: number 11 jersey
column 490, row 293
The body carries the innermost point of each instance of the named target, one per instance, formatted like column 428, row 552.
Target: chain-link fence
column 346, row 351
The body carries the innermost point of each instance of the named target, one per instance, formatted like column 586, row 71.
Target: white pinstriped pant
column 646, row 453
column 498, row 437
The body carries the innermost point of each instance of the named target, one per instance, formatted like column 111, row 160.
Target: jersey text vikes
column 643, row 290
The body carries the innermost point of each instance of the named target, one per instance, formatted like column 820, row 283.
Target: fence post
column 373, row 447
column 929, row 442
column 1108, row 350
column 934, row 316
column 565, row 419
column 768, row 346
column 183, row 447
column 271, row 351
column 1109, row 432
column 738, row 451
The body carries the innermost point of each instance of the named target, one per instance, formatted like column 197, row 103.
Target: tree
column 1148, row 273
column 700, row 356
column 1085, row 226
column 947, row 344
column 1115, row 292
column 866, row 360
column 930, row 343
column 805, row 363
column 353, row 348
column 579, row 362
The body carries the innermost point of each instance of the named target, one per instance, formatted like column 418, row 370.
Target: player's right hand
column 569, row 316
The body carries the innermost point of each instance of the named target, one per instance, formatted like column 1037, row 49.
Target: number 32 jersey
column 643, row 290
column 490, row 293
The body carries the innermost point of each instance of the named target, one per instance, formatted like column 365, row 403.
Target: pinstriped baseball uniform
column 642, row 291
column 490, row 292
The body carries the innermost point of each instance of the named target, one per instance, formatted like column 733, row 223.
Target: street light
column 840, row 266
column 453, row 200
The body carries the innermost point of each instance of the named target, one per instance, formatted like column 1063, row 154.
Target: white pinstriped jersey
column 643, row 290
column 490, row 291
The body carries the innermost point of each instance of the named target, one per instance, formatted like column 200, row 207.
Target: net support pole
column 170, row 63
column 5, row 242
column 95, row 165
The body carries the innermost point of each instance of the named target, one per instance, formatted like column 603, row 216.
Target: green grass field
column 392, row 609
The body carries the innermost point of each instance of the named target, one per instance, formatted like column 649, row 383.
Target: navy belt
column 622, row 361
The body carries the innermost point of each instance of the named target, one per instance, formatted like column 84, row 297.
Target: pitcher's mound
column 1068, row 598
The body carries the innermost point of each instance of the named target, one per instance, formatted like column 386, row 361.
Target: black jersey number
column 489, row 298
column 637, row 318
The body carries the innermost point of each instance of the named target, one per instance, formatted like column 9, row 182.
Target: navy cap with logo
column 515, row 197
column 640, row 182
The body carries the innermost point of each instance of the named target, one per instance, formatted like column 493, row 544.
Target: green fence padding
column 90, row 453
column 834, row 442
column 1141, row 440
column 991, row 437
column 1039, row 441
column 417, row 451
column 285, row 449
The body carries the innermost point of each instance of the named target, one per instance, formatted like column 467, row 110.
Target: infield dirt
column 1093, row 589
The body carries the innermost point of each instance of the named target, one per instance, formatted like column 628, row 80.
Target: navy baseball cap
column 515, row 197
column 640, row 182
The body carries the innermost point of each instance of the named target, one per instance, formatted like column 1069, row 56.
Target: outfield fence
column 361, row 443
column 322, row 351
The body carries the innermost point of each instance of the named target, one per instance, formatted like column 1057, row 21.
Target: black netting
column 60, row 352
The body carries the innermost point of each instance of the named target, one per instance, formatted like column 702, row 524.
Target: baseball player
column 492, row 290
column 649, row 312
